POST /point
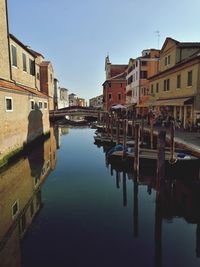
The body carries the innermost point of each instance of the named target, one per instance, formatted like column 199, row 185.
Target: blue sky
column 76, row 35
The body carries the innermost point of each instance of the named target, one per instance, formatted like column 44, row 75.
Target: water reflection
column 175, row 198
column 21, row 197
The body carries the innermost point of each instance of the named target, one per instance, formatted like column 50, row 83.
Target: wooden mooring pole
column 117, row 131
column 161, row 156
column 151, row 133
column 137, row 150
column 124, row 136
column 111, row 127
column 133, row 123
column 98, row 118
column 142, row 130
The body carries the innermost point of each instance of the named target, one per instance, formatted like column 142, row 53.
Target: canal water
column 62, row 204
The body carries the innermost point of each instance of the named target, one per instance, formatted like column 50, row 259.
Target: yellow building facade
column 175, row 89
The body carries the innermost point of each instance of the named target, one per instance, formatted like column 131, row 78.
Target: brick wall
column 22, row 124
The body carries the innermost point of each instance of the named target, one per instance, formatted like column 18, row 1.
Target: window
column 165, row 61
column 143, row 74
column 120, row 84
column 143, row 63
column 32, row 104
column 40, row 105
column 51, row 77
column 23, row 223
column 168, row 60
column 130, row 69
column 167, row 85
column 136, row 75
column 157, row 87
column 152, row 89
column 189, row 80
column 38, row 198
column 130, row 79
column 109, row 84
column 119, row 96
column 24, row 62
column 32, row 209
column 15, row 209
column 136, row 64
column 14, row 55
column 45, row 105
column 38, row 75
column 110, row 96
column 9, row 103
column 32, row 66
column 178, row 81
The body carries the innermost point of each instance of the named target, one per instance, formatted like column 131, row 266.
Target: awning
column 172, row 102
column 118, row 106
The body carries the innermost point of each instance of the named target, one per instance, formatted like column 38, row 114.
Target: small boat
column 76, row 122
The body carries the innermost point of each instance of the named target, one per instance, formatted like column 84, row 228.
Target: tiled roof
column 118, row 77
column 16, row 87
column 117, row 69
column 21, row 44
column 35, row 52
column 189, row 44
column 45, row 63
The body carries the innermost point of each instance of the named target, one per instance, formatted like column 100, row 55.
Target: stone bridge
column 74, row 111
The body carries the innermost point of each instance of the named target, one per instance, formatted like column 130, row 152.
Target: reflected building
column 21, row 197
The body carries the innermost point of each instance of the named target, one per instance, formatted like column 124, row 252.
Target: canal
column 61, row 204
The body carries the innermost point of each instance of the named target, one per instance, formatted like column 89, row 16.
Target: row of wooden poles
column 111, row 121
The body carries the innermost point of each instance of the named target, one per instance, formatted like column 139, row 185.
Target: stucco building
column 176, row 88
column 96, row 102
column 47, row 81
column 114, row 88
column 138, row 72
column 23, row 107
column 73, row 100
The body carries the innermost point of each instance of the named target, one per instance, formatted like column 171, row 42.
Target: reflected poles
column 117, row 179
column 135, row 208
column 124, row 190
column 198, row 240
column 158, row 232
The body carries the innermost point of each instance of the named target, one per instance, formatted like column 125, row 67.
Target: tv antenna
column 158, row 37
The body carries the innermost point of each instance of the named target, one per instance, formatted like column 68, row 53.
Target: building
column 47, row 81
column 21, row 197
column 56, row 93
column 138, row 72
column 114, row 88
column 73, row 100
column 176, row 88
column 81, row 102
column 61, row 98
column 96, row 102
column 23, row 107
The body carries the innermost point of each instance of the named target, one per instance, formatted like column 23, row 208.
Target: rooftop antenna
column 158, row 37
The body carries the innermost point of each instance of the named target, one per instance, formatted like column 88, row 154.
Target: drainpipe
column 8, row 36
